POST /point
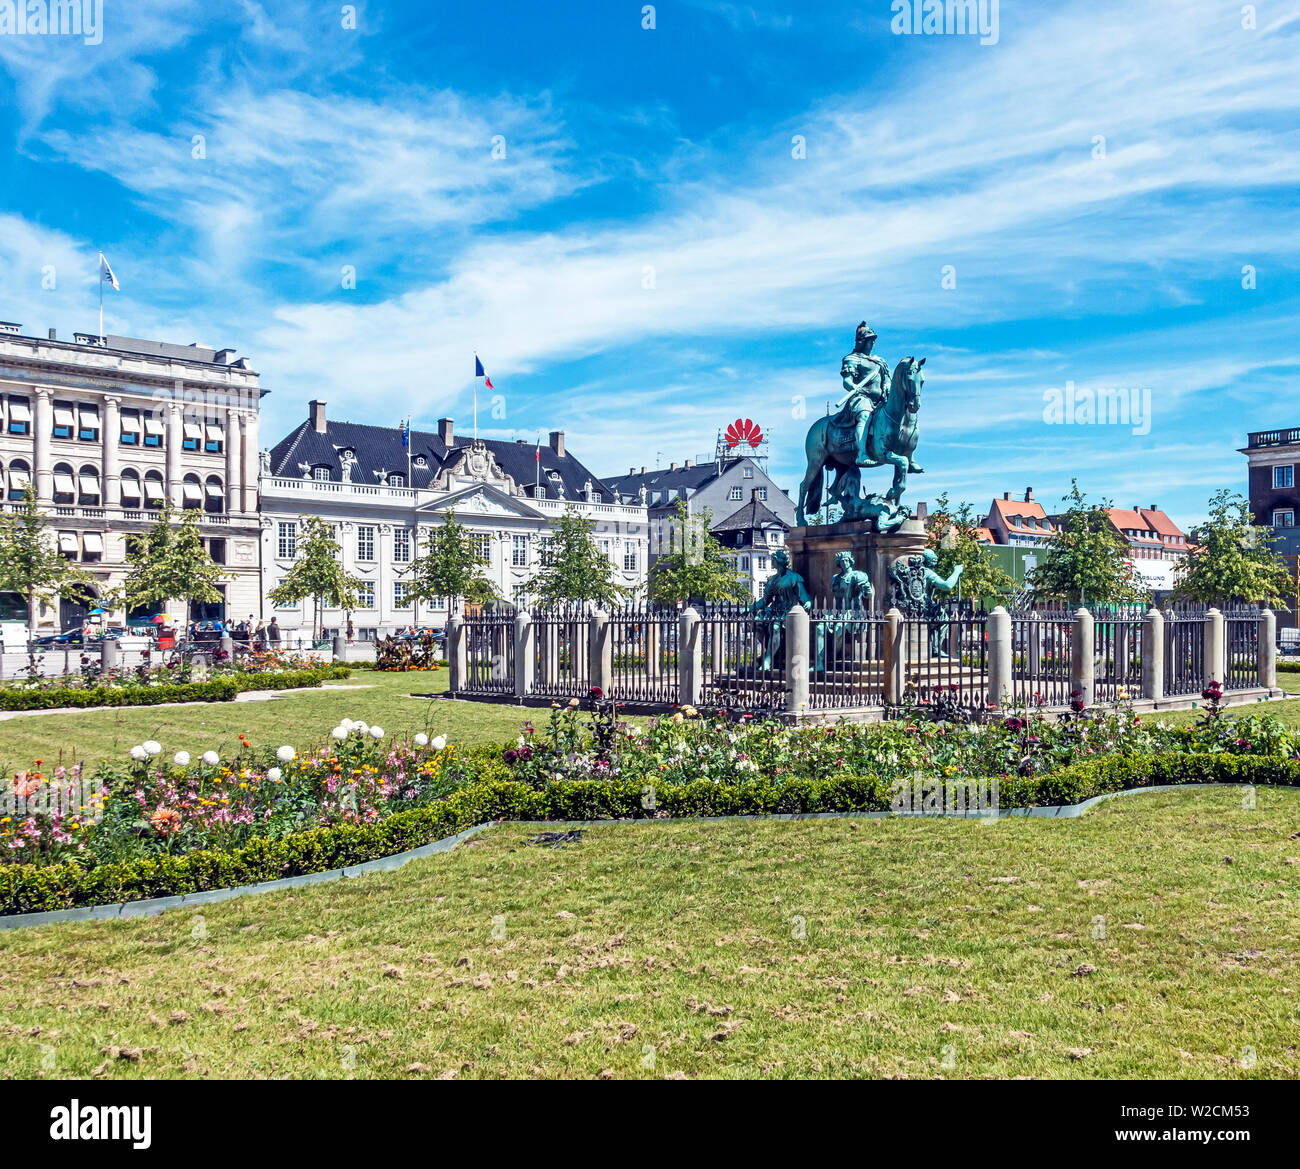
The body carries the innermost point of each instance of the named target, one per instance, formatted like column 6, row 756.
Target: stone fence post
column 1083, row 666
column 1001, row 657
column 796, row 659
column 109, row 654
column 600, row 655
column 456, row 654
column 893, row 657
column 1214, row 648
column 525, row 660
column 690, row 658
column 1153, row 654
column 1267, row 655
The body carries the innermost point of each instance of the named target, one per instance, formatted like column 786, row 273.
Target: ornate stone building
column 384, row 498
column 108, row 428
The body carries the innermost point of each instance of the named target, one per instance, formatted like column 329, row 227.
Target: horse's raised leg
column 900, row 464
column 810, row 491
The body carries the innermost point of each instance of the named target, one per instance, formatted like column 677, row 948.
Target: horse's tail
column 814, row 446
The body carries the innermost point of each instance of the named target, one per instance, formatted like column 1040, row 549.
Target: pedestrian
column 273, row 631
column 351, row 630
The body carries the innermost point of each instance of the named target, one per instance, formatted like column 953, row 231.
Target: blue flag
column 406, row 433
column 478, row 367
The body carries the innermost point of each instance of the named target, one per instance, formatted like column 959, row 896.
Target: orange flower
column 166, row 821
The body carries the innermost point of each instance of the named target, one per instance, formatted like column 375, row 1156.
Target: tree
column 1233, row 559
column 317, row 572
column 1087, row 560
column 451, row 566
column 954, row 536
column 168, row 561
column 696, row 566
column 30, row 561
column 573, row 567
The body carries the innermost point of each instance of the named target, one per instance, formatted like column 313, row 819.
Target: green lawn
column 736, row 949
column 298, row 717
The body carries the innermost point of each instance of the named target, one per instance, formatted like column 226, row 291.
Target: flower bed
column 159, row 826
column 419, row 653
column 160, row 688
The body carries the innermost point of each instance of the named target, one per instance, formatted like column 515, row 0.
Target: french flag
column 479, row 372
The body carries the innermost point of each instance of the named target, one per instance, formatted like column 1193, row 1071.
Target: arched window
column 130, row 488
column 19, row 476
column 88, row 493
column 214, row 495
column 191, row 492
column 65, row 484
column 154, row 490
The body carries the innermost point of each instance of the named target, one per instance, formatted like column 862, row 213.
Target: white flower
column 182, row 759
column 376, row 732
column 519, row 742
column 347, row 724
column 360, row 726
column 139, row 754
column 439, row 743
column 211, row 758
column 273, row 775
column 285, row 753
column 340, row 732
column 422, row 740
column 152, row 746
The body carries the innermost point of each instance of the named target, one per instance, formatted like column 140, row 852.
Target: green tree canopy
column 317, row 572
column 954, row 536
column 451, row 566
column 168, row 561
column 1086, row 559
column 696, row 566
column 1233, row 559
column 573, row 567
column 30, row 561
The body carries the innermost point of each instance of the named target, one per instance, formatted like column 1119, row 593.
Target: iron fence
column 945, row 657
column 643, row 654
column 743, row 659
column 1042, row 642
column 1184, row 649
column 561, row 662
column 1241, row 647
column 490, row 653
column 1117, row 651
column 848, row 667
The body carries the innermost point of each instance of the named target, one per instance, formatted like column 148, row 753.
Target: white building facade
column 384, row 498
column 105, row 429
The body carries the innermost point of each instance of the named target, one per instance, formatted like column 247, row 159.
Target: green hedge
column 221, row 689
column 1288, row 667
column 34, row 888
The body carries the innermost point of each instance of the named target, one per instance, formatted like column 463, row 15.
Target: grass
column 705, row 949
column 299, row 717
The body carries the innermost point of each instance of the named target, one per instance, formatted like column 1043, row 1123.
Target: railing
column 1042, row 644
column 743, row 659
column 490, row 653
column 945, row 657
column 561, row 663
column 643, row 654
column 1185, row 649
column 848, row 658
column 1241, row 647
column 1117, row 649
column 1259, row 438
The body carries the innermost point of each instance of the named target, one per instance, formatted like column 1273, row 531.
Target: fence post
column 797, row 660
column 1153, row 655
column 1001, row 656
column 1214, row 657
column 1083, row 666
column 893, row 660
column 650, row 643
column 456, row 657
column 690, row 658
column 524, row 661
column 1266, row 654
column 600, row 656
column 340, row 647
column 108, row 654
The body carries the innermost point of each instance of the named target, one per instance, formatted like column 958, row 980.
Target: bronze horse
column 891, row 439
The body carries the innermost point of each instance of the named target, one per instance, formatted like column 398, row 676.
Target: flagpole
column 101, row 296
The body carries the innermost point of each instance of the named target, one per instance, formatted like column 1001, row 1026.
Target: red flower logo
column 744, row 430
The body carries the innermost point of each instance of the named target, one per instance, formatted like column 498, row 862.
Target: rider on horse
column 866, row 380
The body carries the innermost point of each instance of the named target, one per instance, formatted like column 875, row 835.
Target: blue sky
column 669, row 151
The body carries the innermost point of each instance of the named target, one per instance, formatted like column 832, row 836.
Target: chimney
column 1154, row 507
column 642, row 470
column 557, row 442
column 631, row 470
column 689, row 464
column 445, row 431
column 1029, row 495
column 1006, row 495
column 54, row 334
column 316, row 412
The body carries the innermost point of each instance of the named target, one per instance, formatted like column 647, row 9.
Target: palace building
column 105, row 429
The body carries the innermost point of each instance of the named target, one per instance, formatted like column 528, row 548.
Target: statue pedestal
column 813, row 550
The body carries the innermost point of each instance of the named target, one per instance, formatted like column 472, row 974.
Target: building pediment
column 482, row 500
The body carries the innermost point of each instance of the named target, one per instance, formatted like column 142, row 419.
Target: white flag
column 106, row 273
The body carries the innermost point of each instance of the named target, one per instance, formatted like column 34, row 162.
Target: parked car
column 77, row 639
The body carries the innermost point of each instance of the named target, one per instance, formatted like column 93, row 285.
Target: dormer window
column 321, row 473
column 396, row 480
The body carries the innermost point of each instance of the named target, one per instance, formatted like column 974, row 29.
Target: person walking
column 273, row 632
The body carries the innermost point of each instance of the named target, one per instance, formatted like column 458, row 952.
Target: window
column 762, row 492
column 192, row 436
column 19, row 478
column 401, row 545
column 629, row 556
column 321, row 474
column 214, row 495
column 214, row 439
column 287, row 544
column 92, row 544
column 1284, row 476
column 546, row 551
column 65, row 486
column 88, row 423
column 153, row 489
column 153, row 432
column 519, row 552
column 65, row 420
column 1284, row 519
column 69, row 546
column 604, row 547
column 88, row 487
column 520, row 596
column 401, row 594
column 130, row 489
column 749, row 472
column 365, row 543
column 191, row 492
column 439, row 604
column 744, row 564
column 366, row 595
column 20, row 416
column 396, row 480
column 482, row 548
column 130, row 422
column 760, row 563
column 736, row 493
column 287, row 604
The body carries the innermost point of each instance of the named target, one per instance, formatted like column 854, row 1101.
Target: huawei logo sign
column 742, row 431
